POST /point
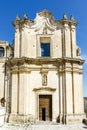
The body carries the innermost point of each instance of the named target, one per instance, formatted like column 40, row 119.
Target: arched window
column 1, row 51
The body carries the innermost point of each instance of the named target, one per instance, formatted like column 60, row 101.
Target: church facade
column 41, row 73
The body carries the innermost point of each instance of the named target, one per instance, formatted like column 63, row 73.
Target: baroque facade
column 41, row 73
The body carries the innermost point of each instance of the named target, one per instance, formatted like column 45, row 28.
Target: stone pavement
column 43, row 127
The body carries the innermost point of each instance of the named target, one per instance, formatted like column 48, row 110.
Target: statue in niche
column 78, row 51
column 44, row 79
column 45, row 30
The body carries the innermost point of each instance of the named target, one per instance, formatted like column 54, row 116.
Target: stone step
column 46, row 123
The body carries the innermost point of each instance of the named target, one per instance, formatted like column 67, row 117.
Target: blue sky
column 78, row 8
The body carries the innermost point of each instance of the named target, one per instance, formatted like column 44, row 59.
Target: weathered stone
column 46, row 63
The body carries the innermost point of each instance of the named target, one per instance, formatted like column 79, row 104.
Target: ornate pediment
column 45, row 13
column 44, row 22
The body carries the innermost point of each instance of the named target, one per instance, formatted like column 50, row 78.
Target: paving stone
column 43, row 127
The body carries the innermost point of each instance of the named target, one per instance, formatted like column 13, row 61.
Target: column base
column 19, row 118
column 71, row 118
column 75, row 118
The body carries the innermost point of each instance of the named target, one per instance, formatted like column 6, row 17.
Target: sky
column 78, row 8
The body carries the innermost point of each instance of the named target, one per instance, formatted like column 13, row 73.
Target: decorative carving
column 45, row 13
column 65, row 17
column 25, row 16
column 45, row 29
column 45, row 88
column 44, row 79
column 78, row 51
column 72, row 18
column 17, row 18
column 44, row 71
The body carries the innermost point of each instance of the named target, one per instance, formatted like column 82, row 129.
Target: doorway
column 43, row 114
column 45, row 107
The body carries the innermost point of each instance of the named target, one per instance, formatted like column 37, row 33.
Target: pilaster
column 17, row 41
column 73, row 41
column 67, row 41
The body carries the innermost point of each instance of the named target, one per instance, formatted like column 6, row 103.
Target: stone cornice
column 69, row 22
column 20, row 23
column 70, row 70
column 48, row 60
column 73, row 60
column 44, row 88
column 44, row 14
column 60, row 64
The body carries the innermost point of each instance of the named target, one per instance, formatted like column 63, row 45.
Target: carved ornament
column 44, row 88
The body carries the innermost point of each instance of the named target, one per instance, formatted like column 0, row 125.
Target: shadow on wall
column 85, row 110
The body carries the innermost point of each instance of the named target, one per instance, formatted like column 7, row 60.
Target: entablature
column 47, row 60
column 44, row 65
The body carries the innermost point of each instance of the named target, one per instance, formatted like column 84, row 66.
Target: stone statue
column 25, row 16
column 65, row 17
column 17, row 18
column 44, row 30
column 78, row 51
column 44, row 80
column 72, row 18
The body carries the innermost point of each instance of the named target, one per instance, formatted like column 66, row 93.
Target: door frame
column 50, row 115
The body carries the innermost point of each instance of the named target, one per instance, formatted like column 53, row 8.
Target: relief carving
column 45, row 30
column 78, row 51
column 44, row 72
column 44, row 79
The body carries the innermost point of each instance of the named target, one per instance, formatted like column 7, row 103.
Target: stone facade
column 44, row 74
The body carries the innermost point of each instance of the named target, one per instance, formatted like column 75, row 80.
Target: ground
column 43, row 127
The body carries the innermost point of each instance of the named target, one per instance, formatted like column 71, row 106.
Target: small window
column 45, row 49
column 1, row 51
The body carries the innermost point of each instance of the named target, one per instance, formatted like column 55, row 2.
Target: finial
column 72, row 18
column 65, row 16
column 25, row 16
column 17, row 18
